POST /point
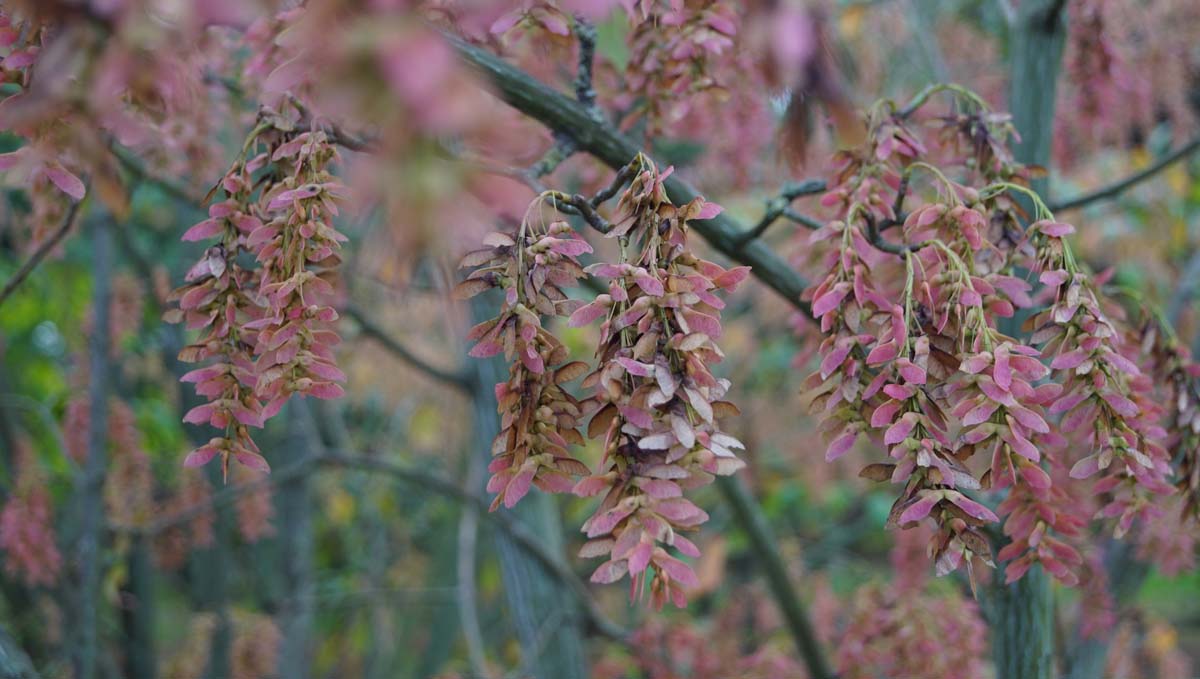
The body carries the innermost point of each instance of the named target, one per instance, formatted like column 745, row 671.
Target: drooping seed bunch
column 929, row 369
column 539, row 418
column 656, row 402
column 267, row 329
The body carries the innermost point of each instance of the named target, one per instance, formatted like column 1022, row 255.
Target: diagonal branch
column 435, row 483
column 1116, row 188
column 751, row 519
column 40, row 253
column 371, row 329
column 527, row 540
column 562, row 114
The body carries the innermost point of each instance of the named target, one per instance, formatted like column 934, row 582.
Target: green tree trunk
column 1021, row 617
column 90, row 488
column 1021, row 614
column 294, row 509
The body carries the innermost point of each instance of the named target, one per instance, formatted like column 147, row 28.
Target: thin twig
column 582, row 206
column 40, row 253
column 1116, row 188
column 522, row 536
column 622, row 176
column 876, row 237
column 564, row 145
column 779, row 206
column 371, row 329
column 336, row 133
column 803, row 220
column 562, row 149
column 168, row 186
column 563, row 114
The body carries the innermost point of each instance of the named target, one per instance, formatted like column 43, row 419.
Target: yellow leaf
column 341, row 506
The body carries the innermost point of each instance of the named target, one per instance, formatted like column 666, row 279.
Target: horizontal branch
column 1116, row 188
column 42, row 250
column 564, row 115
column 371, row 329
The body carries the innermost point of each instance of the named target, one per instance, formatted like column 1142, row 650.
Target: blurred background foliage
column 379, row 580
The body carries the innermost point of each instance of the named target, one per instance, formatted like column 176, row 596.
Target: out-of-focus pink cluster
column 27, row 535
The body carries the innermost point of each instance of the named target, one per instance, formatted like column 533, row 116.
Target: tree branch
column 519, row 534
column 780, row 207
column 561, row 114
column 751, row 520
column 1116, row 188
column 40, row 253
column 422, row 479
column 377, row 333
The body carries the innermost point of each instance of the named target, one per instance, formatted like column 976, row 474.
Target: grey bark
column 553, row 651
column 90, row 485
column 295, row 531
column 1021, row 614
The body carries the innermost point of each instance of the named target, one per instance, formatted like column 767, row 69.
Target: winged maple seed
column 656, row 402
column 269, row 330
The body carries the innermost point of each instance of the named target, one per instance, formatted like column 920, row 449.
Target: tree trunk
column 14, row 663
column 137, row 612
column 1021, row 618
column 90, row 488
column 545, row 615
column 1021, row 614
column 296, row 549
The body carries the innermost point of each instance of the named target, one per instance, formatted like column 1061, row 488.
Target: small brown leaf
column 570, row 371
column 476, row 258
column 877, row 472
column 600, row 421
column 471, row 287
column 725, row 409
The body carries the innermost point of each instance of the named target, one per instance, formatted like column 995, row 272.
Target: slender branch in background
column 468, row 609
column 90, row 486
column 560, row 113
column 336, row 133
column 780, row 206
column 807, row 222
column 563, row 148
column 527, row 540
column 134, row 166
column 1185, row 289
column 377, row 333
column 1116, row 188
column 750, row 518
column 224, row 497
column 40, row 253
column 418, row 478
